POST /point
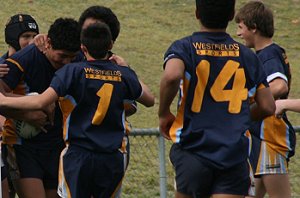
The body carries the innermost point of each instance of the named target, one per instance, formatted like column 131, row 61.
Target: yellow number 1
column 104, row 93
column 234, row 96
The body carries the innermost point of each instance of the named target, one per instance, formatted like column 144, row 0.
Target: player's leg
column 5, row 187
column 180, row 195
column 30, row 188
column 277, row 186
column 260, row 189
column 273, row 171
column 51, row 193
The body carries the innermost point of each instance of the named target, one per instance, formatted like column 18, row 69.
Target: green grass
column 149, row 27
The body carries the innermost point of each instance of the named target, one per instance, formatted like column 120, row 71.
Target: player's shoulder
column 26, row 54
column 272, row 51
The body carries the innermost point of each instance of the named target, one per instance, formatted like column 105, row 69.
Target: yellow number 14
column 235, row 96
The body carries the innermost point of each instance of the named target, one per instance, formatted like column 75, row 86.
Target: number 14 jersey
column 221, row 75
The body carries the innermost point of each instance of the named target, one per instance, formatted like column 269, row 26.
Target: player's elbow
column 150, row 102
column 269, row 109
column 147, row 100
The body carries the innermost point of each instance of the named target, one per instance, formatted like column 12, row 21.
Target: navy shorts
column 88, row 173
column 25, row 162
column 200, row 178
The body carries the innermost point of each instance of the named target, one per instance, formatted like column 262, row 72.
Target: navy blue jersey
column 213, row 113
column 31, row 67
column 277, row 133
column 275, row 64
column 99, row 88
column 3, row 57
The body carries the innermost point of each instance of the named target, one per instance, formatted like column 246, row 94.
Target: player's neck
column 205, row 29
column 90, row 58
column 262, row 42
column 11, row 51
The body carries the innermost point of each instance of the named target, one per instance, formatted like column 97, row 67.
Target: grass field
column 149, row 27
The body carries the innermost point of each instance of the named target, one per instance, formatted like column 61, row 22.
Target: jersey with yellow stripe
column 277, row 133
column 213, row 113
column 32, row 66
column 99, row 88
column 9, row 135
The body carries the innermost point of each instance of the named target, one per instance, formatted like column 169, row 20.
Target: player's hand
column 3, row 70
column 40, row 41
column 50, row 111
column 280, row 108
column 36, row 118
column 118, row 60
column 165, row 123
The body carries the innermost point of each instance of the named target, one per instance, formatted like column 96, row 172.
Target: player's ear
column 83, row 48
column 48, row 44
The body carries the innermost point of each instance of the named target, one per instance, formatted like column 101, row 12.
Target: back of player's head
column 105, row 15
column 97, row 39
column 64, row 34
column 255, row 15
column 215, row 14
column 17, row 25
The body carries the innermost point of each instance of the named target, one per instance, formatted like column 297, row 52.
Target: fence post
column 162, row 167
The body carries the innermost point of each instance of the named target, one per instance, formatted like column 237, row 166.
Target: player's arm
column 40, row 41
column 279, row 88
column 287, row 105
column 264, row 105
column 147, row 98
column 36, row 118
column 169, row 84
column 36, row 102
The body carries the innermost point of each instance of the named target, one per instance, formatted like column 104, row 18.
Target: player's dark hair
column 17, row 25
column 215, row 14
column 64, row 34
column 97, row 39
column 255, row 14
column 105, row 15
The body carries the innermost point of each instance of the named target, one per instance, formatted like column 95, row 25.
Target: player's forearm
column 168, row 91
column 291, row 105
column 147, row 98
column 19, row 103
column 264, row 105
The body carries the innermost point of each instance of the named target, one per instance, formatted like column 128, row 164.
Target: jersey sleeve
column 179, row 49
column 134, row 88
column 274, row 69
column 15, row 73
column 62, row 80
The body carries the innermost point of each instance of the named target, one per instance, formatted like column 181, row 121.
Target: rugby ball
column 24, row 129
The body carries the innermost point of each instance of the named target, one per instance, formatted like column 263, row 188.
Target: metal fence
column 150, row 172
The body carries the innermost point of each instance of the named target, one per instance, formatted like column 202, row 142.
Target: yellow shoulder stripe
column 16, row 63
